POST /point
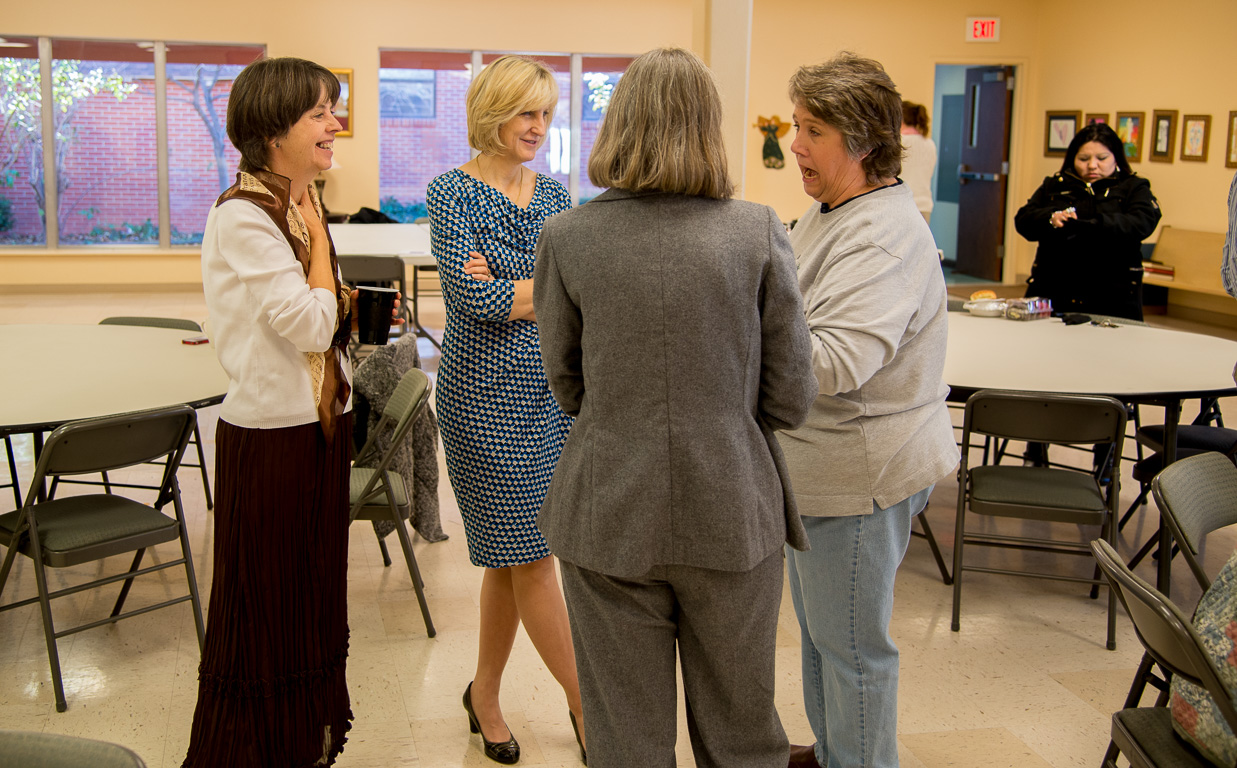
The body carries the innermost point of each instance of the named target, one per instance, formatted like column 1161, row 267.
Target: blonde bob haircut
column 663, row 129
column 508, row 86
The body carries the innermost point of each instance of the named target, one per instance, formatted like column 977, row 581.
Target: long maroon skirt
column 271, row 687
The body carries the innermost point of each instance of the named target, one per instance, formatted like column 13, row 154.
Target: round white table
column 1133, row 363
column 1130, row 362
column 58, row 373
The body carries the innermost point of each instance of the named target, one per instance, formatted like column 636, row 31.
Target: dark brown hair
column 855, row 96
column 268, row 97
column 916, row 116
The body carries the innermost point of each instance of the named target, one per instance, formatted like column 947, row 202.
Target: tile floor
column 1027, row 682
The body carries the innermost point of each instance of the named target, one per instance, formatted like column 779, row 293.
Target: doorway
column 973, row 117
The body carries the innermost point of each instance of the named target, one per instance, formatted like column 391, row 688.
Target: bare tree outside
column 209, row 102
column 21, row 119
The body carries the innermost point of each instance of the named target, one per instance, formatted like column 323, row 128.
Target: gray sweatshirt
column 874, row 298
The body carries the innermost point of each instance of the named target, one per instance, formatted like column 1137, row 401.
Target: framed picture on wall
column 1059, row 128
column 343, row 108
column 1130, row 130
column 1230, row 146
column 1163, row 135
column 1195, row 137
column 1095, row 117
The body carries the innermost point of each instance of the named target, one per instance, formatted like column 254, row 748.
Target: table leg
column 416, row 320
column 1172, row 416
column 14, row 483
column 41, row 494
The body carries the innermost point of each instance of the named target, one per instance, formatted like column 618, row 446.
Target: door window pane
column 106, row 161
column 202, row 162
column 600, row 74
column 422, row 128
column 21, row 143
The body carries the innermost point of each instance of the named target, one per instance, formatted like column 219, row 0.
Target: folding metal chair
column 182, row 324
column 380, row 493
column 1035, row 493
column 58, row 533
column 26, row 749
column 1145, row 734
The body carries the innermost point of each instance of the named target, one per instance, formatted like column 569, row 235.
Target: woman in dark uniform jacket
column 1089, row 220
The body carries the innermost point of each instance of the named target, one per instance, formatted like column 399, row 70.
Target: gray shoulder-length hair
column 663, row 129
column 855, row 96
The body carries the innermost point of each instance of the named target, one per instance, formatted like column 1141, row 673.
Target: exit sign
column 983, row 29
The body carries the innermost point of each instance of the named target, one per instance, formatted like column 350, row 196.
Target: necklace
column 519, row 190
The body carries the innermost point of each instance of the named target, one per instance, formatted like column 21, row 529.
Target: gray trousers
column 625, row 632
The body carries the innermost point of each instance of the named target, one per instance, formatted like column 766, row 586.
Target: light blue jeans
column 843, row 595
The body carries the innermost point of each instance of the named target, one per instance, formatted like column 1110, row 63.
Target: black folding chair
column 59, row 533
column 1036, row 493
column 1145, row 734
column 176, row 323
column 380, row 493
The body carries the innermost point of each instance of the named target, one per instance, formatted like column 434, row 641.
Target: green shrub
column 401, row 211
column 7, row 219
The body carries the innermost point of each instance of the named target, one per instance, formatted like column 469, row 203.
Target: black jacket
column 1092, row 264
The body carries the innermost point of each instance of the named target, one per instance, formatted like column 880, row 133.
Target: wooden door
column 983, row 171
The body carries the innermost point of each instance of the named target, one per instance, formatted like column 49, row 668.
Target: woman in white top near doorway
column 919, row 156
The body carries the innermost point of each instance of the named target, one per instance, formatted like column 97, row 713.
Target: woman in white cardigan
column 272, row 688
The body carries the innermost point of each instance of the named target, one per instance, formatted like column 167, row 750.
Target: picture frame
column 1129, row 128
column 1095, row 117
column 343, row 107
column 1195, row 137
column 1163, row 135
column 1059, row 129
column 1230, row 147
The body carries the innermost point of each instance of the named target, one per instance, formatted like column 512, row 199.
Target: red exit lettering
column 981, row 29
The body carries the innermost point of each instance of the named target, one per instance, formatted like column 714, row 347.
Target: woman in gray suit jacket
column 673, row 330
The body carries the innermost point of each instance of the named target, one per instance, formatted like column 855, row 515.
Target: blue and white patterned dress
column 501, row 427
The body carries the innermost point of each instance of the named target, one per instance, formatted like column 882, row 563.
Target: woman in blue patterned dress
column 501, row 427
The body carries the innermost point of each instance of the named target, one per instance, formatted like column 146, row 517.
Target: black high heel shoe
column 505, row 752
column 576, row 728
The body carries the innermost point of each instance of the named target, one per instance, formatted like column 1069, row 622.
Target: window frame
column 50, row 194
column 575, row 63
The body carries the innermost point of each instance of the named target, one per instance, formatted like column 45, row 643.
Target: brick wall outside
column 411, row 152
column 112, row 165
column 113, row 175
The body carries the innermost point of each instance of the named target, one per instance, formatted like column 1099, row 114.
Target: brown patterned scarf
column 272, row 193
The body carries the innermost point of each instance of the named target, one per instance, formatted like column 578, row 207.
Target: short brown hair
column 663, row 129
column 506, row 87
column 916, row 116
column 268, row 97
column 855, row 96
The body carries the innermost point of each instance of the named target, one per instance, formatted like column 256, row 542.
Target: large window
column 423, row 129
column 600, row 74
column 201, row 161
column 21, row 142
column 107, row 174
column 117, row 171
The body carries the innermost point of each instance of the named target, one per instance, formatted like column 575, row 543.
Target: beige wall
column 1092, row 61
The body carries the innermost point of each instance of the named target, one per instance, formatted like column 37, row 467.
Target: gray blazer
column 672, row 328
